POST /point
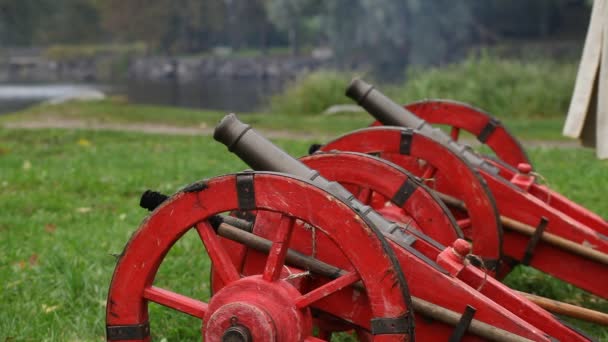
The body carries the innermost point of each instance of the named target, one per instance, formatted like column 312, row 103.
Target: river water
column 230, row 95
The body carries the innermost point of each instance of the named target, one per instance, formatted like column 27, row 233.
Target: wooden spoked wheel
column 268, row 304
column 444, row 172
column 484, row 127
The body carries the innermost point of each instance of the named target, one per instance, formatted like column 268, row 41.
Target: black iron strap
column 245, row 191
column 398, row 325
column 405, row 145
column 128, row 332
column 405, row 191
column 534, row 241
column 488, row 130
column 463, row 324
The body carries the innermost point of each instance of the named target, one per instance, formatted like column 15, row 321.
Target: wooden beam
column 602, row 104
column 587, row 73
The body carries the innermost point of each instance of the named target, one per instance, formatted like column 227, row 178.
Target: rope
column 543, row 181
column 467, row 260
column 483, row 267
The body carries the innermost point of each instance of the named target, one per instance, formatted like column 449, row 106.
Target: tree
column 294, row 17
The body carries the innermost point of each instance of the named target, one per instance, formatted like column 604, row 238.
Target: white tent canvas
column 588, row 113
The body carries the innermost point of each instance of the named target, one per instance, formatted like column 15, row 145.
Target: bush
column 502, row 87
column 311, row 94
column 505, row 88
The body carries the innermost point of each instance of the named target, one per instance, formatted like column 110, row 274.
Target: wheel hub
column 237, row 333
column 252, row 309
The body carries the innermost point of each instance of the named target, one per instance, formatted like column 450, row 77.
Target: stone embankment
column 37, row 68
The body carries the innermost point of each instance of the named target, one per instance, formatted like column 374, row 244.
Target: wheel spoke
column 429, row 173
column 365, row 195
column 222, row 263
column 176, row 301
column 280, row 246
column 327, row 289
column 464, row 223
column 454, row 133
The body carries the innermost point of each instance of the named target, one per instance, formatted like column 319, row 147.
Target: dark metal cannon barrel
column 390, row 113
column 262, row 155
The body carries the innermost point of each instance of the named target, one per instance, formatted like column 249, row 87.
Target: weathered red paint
column 485, row 229
column 511, row 201
column 380, row 179
column 132, row 284
column 461, row 116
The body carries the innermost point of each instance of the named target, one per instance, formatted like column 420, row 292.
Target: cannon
column 534, row 225
column 365, row 235
column 298, row 253
column 459, row 117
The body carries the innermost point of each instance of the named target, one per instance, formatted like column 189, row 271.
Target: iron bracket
column 128, row 332
column 463, row 324
column 534, row 241
column 245, row 191
column 405, row 145
column 398, row 325
column 405, row 191
column 488, row 130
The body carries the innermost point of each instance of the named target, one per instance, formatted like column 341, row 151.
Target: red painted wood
column 486, row 230
column 358, row 170
column 176, row 301
column 473, row 120
column 276, row 257
column 136, row 269
column 218, row 255
column 327, row 289
column 510, row 200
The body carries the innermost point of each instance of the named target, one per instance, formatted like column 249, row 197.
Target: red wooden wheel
column 460, row 116
column 268, row 303
column 390, row 190
column 451, row 175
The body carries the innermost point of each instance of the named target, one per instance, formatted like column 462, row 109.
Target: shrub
column 311, row 94
column 505, row 88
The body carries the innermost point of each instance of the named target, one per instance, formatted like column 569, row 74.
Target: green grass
column 116, row 110
column 70, row 201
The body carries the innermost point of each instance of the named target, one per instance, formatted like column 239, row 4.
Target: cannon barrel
column 390, row 113
column 262, row 155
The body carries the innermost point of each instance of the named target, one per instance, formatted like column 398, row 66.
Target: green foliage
column 505, row 88
column 311, row 94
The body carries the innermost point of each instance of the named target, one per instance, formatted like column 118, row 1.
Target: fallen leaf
column 83, row 210
column 33, row 259
column 84, row 142
column 21, row 264
column 49, row 308
column 50, row 228
column 27, row 165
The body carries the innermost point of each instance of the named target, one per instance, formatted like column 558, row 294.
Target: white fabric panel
column 587, row 72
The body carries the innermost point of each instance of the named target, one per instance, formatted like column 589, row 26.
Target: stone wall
column 196, row 68
column 104, row 68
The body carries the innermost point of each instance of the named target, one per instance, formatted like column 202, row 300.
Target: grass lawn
column 115, row 110
column 70, row 202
